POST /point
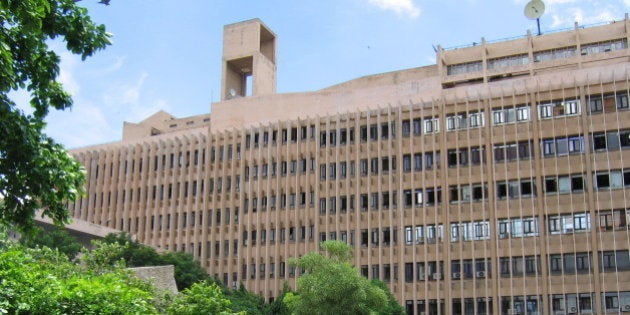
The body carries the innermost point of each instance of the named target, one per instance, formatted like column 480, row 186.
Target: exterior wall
column 163, row 277
column 466, row 196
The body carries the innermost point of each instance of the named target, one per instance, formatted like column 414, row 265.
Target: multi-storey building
column 494, row 182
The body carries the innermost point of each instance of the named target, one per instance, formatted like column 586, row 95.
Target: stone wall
column 163, row 277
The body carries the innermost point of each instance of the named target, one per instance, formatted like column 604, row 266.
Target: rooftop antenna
column 534, row 10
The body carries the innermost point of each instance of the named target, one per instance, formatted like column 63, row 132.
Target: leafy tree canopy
column 56, row 238
column 35, row 171
column 187, row 270
column 331, row 285
column 43, row 281
column 202, row 298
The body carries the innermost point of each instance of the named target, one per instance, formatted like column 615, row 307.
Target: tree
column 35, row 171
column 187, row 270
column 245, row 301
column 277, row 307
column 201, row 298
column 134, row 253
column 331, row 285
column 392, row 307
column 43, row 281
column 57, row 238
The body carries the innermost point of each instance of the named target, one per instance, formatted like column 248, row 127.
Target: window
column 462, row 68
column 569, row 223
column 569, row 263
column 595, row 104
column 510, row 115
column 467, row 193
column 610, row 301
column 611, row 180
column 515, row 189
column 453, row 122
column 406, row 128
column 513, row 151
column 564, row 184
column 384, row 131
column 545, row 111
column 562, row 146
column 615, row 260
column 614, row 219
column 559, row 109
column 373, row 132
column 431, row 125
column 475, row 120
column 571, row 107
column 470, row 231
column 465, row 156
column 407, row 163
column 522, row 113
column 612, row 140
column 518, row 227
column 519, row 266
column 434, row 233
column 417, row 126
column 509, row 61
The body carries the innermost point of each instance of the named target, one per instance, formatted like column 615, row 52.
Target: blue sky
column 167, row 54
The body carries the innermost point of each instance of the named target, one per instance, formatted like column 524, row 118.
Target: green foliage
column 44, row 281
column 245, row 301
column 57, row 238
column 35, row 172
column 277, row 307
column 201, row 298
column 109, row 293
column 187, row 270
column 331, row 285
column 134, row 253
column 392, row 307
column 103, row 258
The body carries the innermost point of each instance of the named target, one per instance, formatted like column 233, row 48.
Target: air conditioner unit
column 504, row 235
column 456, row 275
column 437, row 276
column 512, row 312
column 573, row 310
column 481, row 274
column 625, row 308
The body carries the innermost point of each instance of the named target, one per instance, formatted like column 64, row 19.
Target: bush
column 201, row 298
column 44, row 281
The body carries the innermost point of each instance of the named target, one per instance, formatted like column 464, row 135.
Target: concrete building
column 494, row 182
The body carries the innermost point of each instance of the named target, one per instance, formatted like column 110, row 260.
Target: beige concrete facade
column 495, row 182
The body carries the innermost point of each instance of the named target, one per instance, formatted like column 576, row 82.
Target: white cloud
column 129, row 102
column 67, row 66
column 88, row 118
column 99, row 119
column 402, row 7
column 572, row 15
column 554, row 2
column 125, row 94
column 115, row 66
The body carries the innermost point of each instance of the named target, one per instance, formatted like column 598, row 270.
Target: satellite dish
column 534, row 9
column 232, row 93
